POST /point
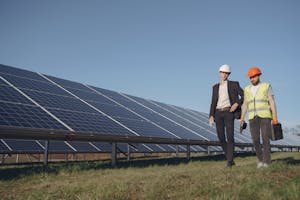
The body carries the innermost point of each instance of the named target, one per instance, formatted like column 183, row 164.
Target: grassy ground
column 201, row 178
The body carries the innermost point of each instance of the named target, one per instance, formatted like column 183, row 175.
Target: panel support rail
column 8, row 132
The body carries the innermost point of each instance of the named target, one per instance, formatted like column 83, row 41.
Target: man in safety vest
column 260, row 104
column 227, row 98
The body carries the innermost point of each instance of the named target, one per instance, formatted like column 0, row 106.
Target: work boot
column 230, row 163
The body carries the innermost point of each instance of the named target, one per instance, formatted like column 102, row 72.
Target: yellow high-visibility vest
column 258, row 105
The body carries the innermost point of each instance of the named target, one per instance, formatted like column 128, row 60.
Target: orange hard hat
column 254, row 71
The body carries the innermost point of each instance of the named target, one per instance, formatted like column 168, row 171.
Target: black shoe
column 230, row 163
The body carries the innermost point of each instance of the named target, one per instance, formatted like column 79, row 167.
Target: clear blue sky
column 165, row 50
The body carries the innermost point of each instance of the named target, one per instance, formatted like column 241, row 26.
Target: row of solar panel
column 29, row 99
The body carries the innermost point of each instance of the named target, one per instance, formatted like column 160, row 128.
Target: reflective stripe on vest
column 258, row 105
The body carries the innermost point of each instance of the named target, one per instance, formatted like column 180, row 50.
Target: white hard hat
column 225, row 68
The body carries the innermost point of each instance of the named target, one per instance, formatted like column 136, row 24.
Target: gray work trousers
column 261, row 126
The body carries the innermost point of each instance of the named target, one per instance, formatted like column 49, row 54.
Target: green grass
column 201, row 178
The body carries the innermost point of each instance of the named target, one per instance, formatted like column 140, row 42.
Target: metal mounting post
column 46, row 152
column 113, row 154
column 188, row 152
column 128, row 151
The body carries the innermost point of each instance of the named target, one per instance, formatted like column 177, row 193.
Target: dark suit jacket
column 236, row 95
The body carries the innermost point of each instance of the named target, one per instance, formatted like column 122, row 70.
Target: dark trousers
column 225, row 119
column 261, row 125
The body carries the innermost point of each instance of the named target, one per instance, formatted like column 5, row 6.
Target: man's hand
column 234, row 107
column 211, row 120
column 275, row 120
column 243, row 125
column 242, row 122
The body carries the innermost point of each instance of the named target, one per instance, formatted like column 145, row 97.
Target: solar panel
column 67, row 83
column 59, row 147
column 119, row 113
column 59, row 102
column 183, row 122
column 9, row 94
column 31, row 116
column 31, row 84
column 166, row 124
column 89, row 122
column 21, row 146
column 4, row 69
column 84, row 146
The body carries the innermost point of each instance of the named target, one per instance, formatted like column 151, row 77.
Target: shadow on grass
column 288, row 160
column 16, row 171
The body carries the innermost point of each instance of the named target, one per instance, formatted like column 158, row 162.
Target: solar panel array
column 33, row 100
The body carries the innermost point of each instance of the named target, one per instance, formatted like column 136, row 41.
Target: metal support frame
column 4, row 157
column 46, row 152
column 67, row 157
column 128, row 151
column 8, row 132
column 188, row 152
column 177, row 151
column 208, row 150
column 113, row 154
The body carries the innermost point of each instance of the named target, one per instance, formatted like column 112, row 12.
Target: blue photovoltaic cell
column 103, row 146
column 161, row 121
column 120, row 99
column 58, row 146
column 23, row 145
column 103, row 104
column 2, row 82
column 167, row 148
column 35, row 85
column 180, row 112
column 59, row 102
column 3, row 147
column 67, row 83
column 19, row 72
column 180, row 131
column 119, row 113
column 108, row 93
column 90, row 96
column 183, row 113
column 122, row 147
column 115, row 111
column 26, row 116
column 192, row 126
column 199, row 148
column 9, row 94
column 82, row 146
column 140, row 147
column 145, row 128
column 80, row 121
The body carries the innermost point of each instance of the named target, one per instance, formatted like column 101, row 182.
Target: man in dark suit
column 227, row 98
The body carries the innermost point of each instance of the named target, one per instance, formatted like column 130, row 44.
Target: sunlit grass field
column 201, row 178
